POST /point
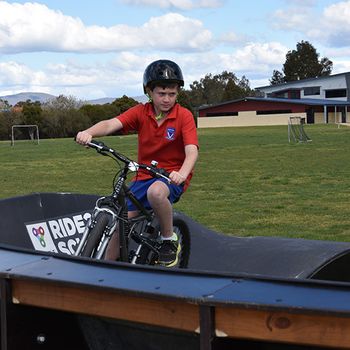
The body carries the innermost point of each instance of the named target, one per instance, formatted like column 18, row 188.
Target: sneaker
column 169, row 252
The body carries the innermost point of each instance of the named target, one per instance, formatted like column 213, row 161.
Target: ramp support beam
column 207, row 326
column 4, row 301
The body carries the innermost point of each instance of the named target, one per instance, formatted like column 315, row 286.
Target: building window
column 312, row 90
column 279, row 94
column 277, row 111
column 294, row 94
column 336, row 93
column 221, row 114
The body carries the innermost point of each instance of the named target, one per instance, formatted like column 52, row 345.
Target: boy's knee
column 157, row 192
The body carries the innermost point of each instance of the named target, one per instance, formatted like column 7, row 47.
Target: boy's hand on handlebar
column 83, row 137
column 176, row 178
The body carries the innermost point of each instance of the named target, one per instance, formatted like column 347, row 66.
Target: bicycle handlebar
column 132, row 165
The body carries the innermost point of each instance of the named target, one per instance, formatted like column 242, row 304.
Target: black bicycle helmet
column 162, row 70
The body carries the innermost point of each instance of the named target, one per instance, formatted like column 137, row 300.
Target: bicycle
column 139, row 237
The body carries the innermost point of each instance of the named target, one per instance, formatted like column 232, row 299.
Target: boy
column 167, row 134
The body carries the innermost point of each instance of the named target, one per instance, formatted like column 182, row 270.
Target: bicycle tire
column 95, row 235
column 183, row 233
column 146, row 256
column 123, row 229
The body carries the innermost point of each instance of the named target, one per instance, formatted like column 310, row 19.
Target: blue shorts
column 139, row 190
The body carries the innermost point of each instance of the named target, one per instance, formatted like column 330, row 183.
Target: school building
column 317, row 100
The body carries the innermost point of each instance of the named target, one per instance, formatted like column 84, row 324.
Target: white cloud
column 335, row 29
column 181, row 33
column 33, row 27
column 232, row 38
column 13, row 73
column 293, row 19
column 257, row 57
column 330, row 27
column 303, row 3
column 341, row 67
column 179, row 4
column 255, row 60
column 122, row 74
column 110, row 78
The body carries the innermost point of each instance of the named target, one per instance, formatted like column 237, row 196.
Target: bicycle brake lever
column 98, row 144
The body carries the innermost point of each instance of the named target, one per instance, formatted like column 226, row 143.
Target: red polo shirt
column 165, row 143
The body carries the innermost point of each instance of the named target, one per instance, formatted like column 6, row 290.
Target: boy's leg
column 157, row 195
column 112, row 250
column 170, row 248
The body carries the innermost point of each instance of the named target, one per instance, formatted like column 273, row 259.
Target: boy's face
column 164, row 98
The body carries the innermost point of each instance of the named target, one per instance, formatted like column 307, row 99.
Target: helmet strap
column 159, row 116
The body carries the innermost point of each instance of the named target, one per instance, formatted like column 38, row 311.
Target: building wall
column 334, row 118
column 249, row 106
column 319, row 118
column 338, row 81
column 247, row 119
column 248, row 112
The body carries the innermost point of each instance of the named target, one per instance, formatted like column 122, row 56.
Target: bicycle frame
column 114, row 207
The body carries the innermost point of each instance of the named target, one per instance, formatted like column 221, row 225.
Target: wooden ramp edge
column 212, row 305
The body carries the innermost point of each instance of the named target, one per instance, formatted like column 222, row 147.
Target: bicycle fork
column 107, row 233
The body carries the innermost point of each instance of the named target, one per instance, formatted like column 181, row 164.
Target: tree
column 277, row 78
column 184, row 100
column 32, row 112
column 62, row 117
column 4, row 105
column 96, row 113
column 302, row 63
column 124, row 103
column 8, row 118
column 218, row 88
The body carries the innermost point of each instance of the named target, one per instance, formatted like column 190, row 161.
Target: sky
column 93, row 49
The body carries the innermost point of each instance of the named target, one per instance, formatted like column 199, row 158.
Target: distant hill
column 43, row 97
column 24, row 96
column 101, row 101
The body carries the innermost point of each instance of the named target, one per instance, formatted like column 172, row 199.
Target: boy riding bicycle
column 167, row 134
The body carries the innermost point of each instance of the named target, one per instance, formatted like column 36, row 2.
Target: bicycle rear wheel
column 95, row 235
column 148, row 257
column 183, row 234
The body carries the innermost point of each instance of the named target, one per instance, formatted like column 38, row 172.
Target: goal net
column 24, row 131
column 296, row 132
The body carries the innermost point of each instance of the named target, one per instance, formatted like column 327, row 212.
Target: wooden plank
column 99, row 302
column 296, row 328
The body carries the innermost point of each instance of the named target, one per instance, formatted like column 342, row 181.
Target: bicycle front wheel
column 95, row 235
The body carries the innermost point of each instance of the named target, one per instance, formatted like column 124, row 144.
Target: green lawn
column 248, row 181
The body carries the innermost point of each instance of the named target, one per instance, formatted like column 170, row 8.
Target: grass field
column 248, row 181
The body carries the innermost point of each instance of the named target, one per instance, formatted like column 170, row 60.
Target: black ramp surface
column 269, row 256
column 210, row 251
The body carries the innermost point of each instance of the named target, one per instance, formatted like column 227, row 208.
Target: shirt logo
column 170, row 134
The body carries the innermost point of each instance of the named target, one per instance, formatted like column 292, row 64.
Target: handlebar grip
column 97, row 143
column 99, row 146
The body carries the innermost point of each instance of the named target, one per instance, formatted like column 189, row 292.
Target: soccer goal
column 296, row 132
column 33, row 132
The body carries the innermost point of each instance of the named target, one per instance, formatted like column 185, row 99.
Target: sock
column 172, row 238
